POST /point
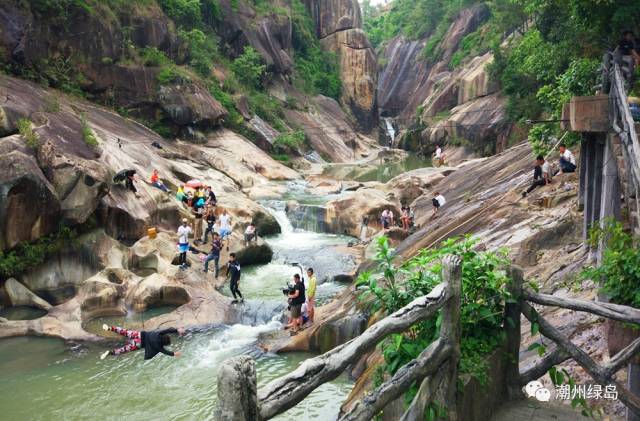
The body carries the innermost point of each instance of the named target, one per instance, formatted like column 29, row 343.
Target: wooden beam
column 612, row 311
column 512, row 311
column 598, row 373
column 622, row 358
column 426, row 394
column 555, row 357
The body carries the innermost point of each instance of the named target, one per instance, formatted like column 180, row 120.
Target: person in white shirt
column 439, row 156
column 567, row 160
column 225, row 226
column 387, row 219
column 541, row 175
column 184, row 231
column 249, row 234
column 438, row 201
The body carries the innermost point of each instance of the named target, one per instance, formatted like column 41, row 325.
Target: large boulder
column 19, row 295
column 345, row 215
column 190, row 105
column 156, row 291
column 332, row 16
column 408, row 186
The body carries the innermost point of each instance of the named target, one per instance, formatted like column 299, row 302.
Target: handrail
column 623, row 123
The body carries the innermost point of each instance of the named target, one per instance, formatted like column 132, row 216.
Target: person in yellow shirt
column 311, row 294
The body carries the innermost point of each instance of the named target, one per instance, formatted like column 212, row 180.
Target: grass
column 25, row 128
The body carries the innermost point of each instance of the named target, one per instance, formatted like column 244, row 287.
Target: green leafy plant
column 27, row 255
column 484, row 292
column 151, row 56
column 185, row 13
column 87, row 134
column 619, row 270
column 25, row 128
column 289, row 141
column 171, row 73
column 249, row 68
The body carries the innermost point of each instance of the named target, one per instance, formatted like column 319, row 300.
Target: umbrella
column 121, row 175
column 194, row 183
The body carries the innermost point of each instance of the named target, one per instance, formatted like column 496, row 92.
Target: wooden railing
column 565, row 349
column 435, row 368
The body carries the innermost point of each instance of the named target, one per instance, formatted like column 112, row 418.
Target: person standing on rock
column 129, row 180
column 250, row 234
column 184, row 231
column 210, row 220
column 233, row 274
column 311, row 294
column 438, row 201
column 439, row 156
column 405, row 218
column 225, row 226
column 198, row 214
column 214, row 254
column 541, row 175
column 211, row 197
column 296, row 299
column 152, row 341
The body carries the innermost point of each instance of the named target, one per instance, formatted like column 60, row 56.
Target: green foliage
column 482, row 302
column 51, row 104
column 87, row 134
column 27, row 255
column 184, row 13
column 202, row 50
column 249, row 68
column 151, row 56
column 25, row 128
column 234, row 120
column 170, row 74
column 268, row 108
column 290, row 141
column 316, row 71
column 619, row 270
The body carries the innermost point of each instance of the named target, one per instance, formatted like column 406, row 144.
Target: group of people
column 542, row 174
column 302, row 302
column 130, row 178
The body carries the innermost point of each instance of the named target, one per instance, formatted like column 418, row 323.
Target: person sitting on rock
column 567, row 160
column 214, row 254
column 438, row 201
column 405, row 218
column 250, row 234
column 129, row 180
column 541, row 175
column 386, row 218
column 156, row 182
column 152, row 341
column 181, row 196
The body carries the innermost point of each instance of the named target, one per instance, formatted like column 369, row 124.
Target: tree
column 249, row 67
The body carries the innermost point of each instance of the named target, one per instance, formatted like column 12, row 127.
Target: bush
column 170, row 74
column 27, row 255
column 290, row 141
column 25, row 128
column 249, row 68
column 618, row 273
column 87, row 134
column 185, row 13
column 151, row 56
column 202, row 50
column 482, row 302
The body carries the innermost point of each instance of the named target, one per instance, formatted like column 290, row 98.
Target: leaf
column 534, row 328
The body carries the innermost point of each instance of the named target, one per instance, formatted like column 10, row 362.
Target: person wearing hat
column 184, row 231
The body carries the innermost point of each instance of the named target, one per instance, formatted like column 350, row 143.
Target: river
column 46, row 378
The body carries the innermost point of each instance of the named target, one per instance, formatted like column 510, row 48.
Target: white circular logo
column 534, row 389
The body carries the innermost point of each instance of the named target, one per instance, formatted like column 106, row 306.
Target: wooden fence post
column 450, row 330
column 512, row 311
column 237, row 394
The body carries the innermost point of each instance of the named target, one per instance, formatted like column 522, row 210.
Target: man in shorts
column 296, row 299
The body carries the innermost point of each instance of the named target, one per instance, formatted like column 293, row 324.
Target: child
column 152, row 341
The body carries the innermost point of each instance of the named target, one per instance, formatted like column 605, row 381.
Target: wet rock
column 19, row 295
column 255, row 254
column 337, row 332
column 266, row 224
column 264, row 133
column 237, row 390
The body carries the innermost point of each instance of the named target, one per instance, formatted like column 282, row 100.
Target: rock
column 255, row 254
column 332, row 16
column 337, row 332
column 345, row 215
column 191, row 105
column 410, row 185
column 19, row 295
column 156, row 291
column 237, row 390
column 264, row 133
column 266, row 224
column 29, row 207
column 358, row 74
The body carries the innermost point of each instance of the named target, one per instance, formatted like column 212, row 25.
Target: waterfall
column 388, row 121
column 277, row 209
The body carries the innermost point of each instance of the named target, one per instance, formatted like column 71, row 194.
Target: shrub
column 151, row 56
column 25, row 129
column 249, row 68
column 185, row 13
column 202, row 49
column 290, row 141
column 482, row 302
column 170, row 74
column 618, row 273
column 87, row 134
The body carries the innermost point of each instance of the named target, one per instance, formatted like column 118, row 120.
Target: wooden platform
column 529, row 410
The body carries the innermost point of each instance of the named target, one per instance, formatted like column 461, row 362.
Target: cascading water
column 391, row 131
column 43, row 376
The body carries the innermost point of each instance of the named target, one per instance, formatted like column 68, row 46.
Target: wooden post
column 633, row 383
column 583, row 171
column 598, row 145
column 237, row 400
column 450, row 330
column 610, row 200
column 588, row 167
column 512, row 311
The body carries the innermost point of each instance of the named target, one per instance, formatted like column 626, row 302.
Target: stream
column 46, row 378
